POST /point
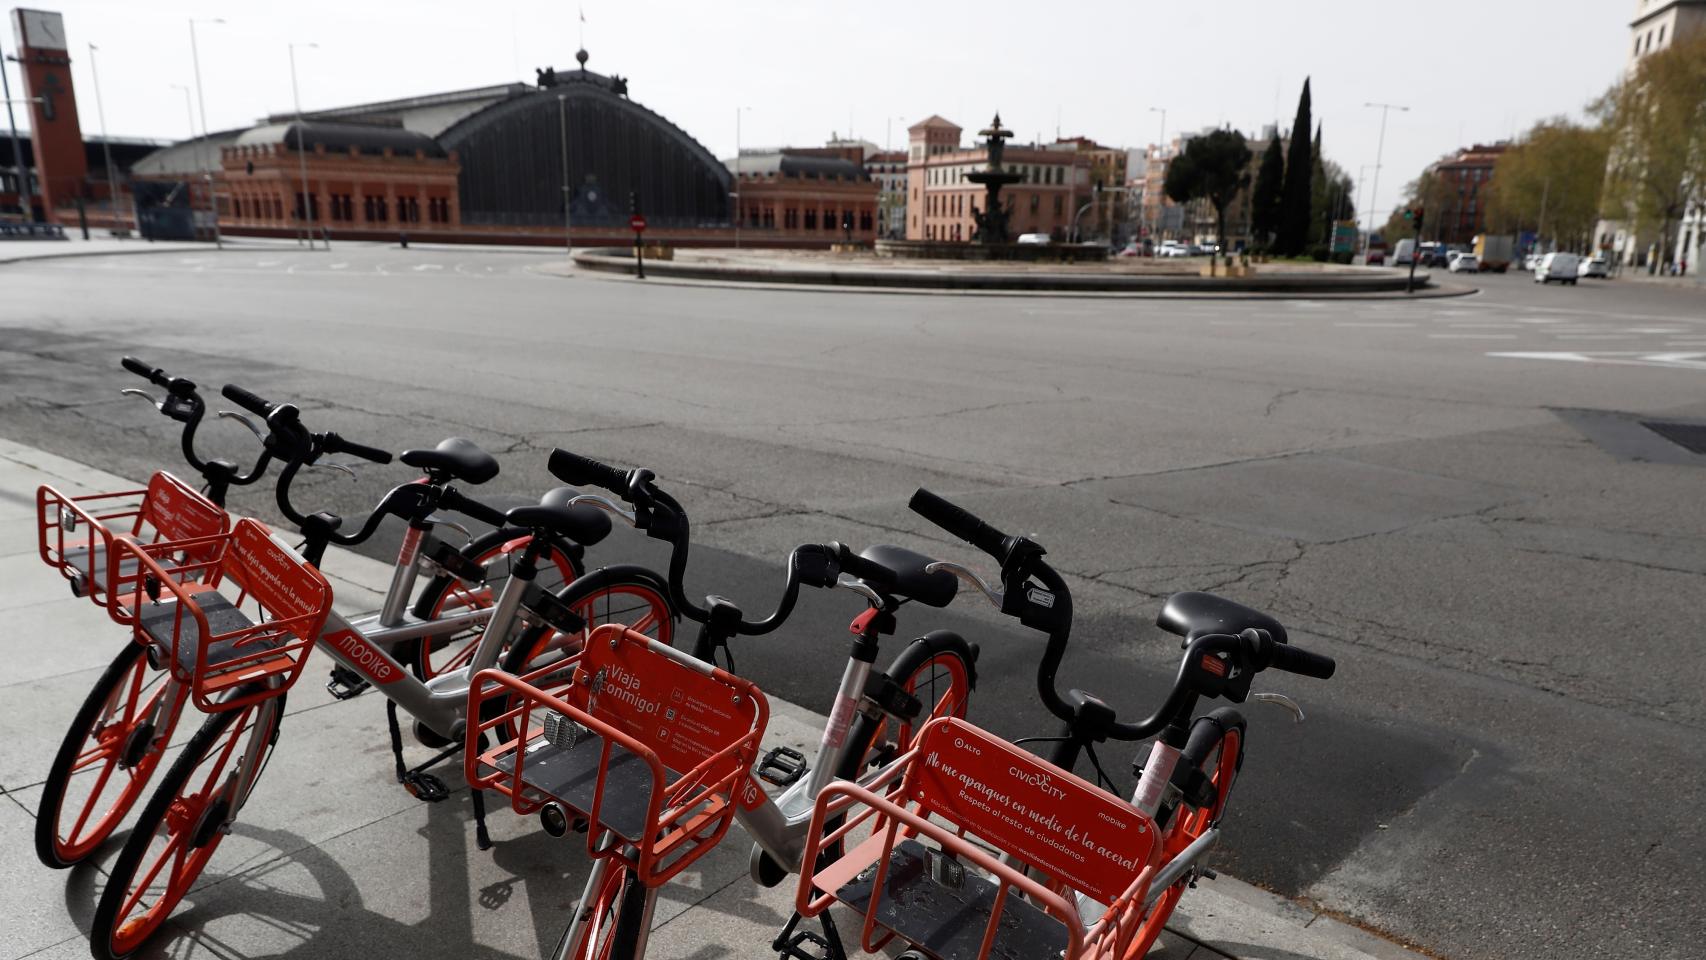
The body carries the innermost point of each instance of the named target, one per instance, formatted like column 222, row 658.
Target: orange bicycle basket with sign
column 244, row 631
column 646, row 743
column 75, row 534
column 1078, row 860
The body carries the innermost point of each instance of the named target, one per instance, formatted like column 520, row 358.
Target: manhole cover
column 1689, row 436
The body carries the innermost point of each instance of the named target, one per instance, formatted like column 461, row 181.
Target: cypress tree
column 1299, row 172
column 1265, row 198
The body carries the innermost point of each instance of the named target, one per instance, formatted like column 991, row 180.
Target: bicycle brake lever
column 1281, row 700
column 969, row 576
column 439, row 521
column 134, row 392
column 606, row 504
column 345, row 467
column 863, row 589
column 245, row 421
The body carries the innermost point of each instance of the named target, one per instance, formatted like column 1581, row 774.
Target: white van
column 1404, row 254
column 1561, row 267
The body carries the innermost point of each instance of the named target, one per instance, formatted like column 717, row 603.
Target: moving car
column 1034, row 240
column 1404, row 254
column 1562, row 267
column 1173, row 248
column 1376, row 257
column 1594, row 266
column 1464, row 263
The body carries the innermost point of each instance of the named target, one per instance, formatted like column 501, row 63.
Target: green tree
column 1657, row 120
column 1215, row 168
column 1550, row 181
column 1265, row 198
column 1299, row 172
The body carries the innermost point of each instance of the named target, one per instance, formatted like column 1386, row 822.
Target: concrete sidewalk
column 333, row 859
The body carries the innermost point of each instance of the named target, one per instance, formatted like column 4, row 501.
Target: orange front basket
column 234, row 615
column 924, row 854
column 75, row 535
column 648, row 745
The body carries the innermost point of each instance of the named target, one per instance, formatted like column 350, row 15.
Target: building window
column 1036, row 201
column 811, row 219
column 769, row 218
column 1057, row 204
column 790, row 218
column 409, row 209
column 864, row 220
column 829, row 220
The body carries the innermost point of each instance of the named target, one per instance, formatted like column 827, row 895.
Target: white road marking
column 339, row 266
column 1592, row 336
column 1483, row 325
column 1472, row 336
column 1372, row 323
column 428, row 266
column 267, row 263
column 1248, row 323
column 1676, row 360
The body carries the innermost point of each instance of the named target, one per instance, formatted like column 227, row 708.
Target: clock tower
column 44, row 57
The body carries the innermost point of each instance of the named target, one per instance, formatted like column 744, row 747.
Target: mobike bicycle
column 653, row 750
column 968, row 846
column 119, row 733
column 234, row 617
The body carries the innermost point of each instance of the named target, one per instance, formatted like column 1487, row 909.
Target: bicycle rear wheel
column 179, row 829
column 445, row 594
column 1215, row 747
column 106, row 759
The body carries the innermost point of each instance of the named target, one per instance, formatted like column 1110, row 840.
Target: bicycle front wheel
column 445, row 595
column 1215, row 747
column 607, row 923
column 107, row 758
column 629, row 595
column 939, row 669
column 181, row 827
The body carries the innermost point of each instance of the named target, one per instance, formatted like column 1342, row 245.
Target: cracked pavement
column 1508, row 762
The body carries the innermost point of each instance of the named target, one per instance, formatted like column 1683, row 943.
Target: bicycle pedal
column 425, row 787
column 345, row 683
column 794, row 947
column 782, row 767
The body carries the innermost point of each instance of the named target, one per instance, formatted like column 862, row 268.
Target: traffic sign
column 637, row 222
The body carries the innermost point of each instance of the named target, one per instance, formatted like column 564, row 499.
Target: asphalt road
column 1455, row 498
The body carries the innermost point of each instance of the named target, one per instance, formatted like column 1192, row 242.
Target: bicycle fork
column 589, row 924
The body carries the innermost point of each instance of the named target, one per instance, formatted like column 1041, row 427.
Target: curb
column 1224, row 917
column 69, row 254
column 1432, row 292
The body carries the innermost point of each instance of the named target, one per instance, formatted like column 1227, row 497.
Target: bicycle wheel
column 106, row 759
column 625, row 594
column 940, row 669
column 610, row 920
column 1215, row 747
column 445, row 594
column 179, row 828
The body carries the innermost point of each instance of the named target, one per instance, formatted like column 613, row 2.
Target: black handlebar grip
column 957, row 521
column 1293, row 660
column 852, row 563
column 143, row 370
column 572, row 468
column 247, row 400
column 337, row 444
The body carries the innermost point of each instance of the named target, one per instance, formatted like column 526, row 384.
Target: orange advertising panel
column 683, row 715
column 179, row 513
column 272, row 575
column 1019, row 804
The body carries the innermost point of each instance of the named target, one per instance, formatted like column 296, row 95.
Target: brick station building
column 805, row 195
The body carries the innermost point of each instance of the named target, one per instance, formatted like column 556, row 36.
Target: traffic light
column 633, row 203
column 1419, row 212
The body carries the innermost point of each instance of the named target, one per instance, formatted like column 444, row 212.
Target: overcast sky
column 806, row 69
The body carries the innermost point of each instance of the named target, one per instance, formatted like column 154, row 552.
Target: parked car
column 1034, row 240
column 1172, row 248
column 1464, row 263
column 1594, row 266
column 1562, row 267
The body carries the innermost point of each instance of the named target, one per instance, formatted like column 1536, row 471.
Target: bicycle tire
column 117, row 931
column 594, row 597
column 951, row 663
column 1206, row 748
column 126, row 678
column 444, row 589
column 617, row 898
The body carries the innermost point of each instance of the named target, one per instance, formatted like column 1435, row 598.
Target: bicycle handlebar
column 248, row 401
column 581, row 471
column 184, row 404
column 1038, row 596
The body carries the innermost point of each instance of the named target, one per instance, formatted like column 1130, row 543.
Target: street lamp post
column 1379, row 152
column 301, row 149
column 1160, row 153
column 738, row 211
column 201, row 104
column 106, row 144
column 563, row 129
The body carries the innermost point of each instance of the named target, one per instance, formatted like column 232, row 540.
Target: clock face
column 41, row 30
